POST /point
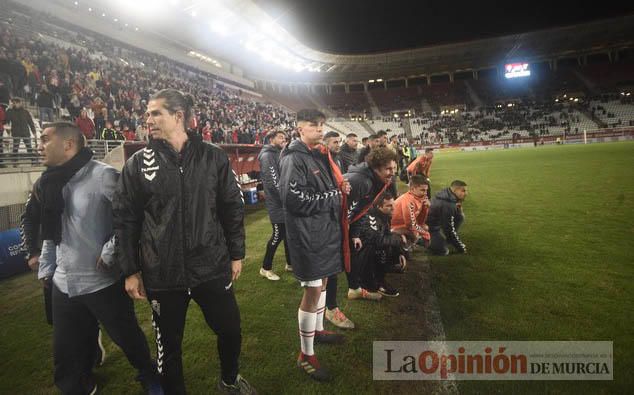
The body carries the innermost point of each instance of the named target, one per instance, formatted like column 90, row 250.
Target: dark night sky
column 356, row 26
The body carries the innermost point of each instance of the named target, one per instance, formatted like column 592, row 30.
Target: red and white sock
column 307, row 323
column 321, row 307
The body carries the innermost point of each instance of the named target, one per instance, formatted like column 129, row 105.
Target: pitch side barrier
column 243, row 158
column 595, row 136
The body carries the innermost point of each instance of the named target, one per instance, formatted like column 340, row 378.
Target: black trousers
column 278, row 236
column 331, row 292
column 75, row 327
column 169, row 309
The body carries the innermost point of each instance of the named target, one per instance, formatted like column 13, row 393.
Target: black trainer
column 388, row 291
column 240, row 387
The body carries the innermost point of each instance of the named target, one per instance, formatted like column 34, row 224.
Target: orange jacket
column 420, row 165
column 410, row 213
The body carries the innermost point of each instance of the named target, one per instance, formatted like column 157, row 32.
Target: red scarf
column 345, row 223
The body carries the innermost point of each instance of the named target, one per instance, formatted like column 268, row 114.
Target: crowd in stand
column 94, row 85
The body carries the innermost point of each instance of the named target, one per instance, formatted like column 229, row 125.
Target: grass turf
column 549, row 236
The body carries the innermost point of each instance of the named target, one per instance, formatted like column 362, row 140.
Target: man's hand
column 236, row 269
column 346, row 187
column 356, row 242
column 34, row 262
column 426, row 202
column 403, row 261
column 134, row 286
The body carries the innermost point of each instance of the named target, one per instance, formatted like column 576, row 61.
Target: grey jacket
column 86, row 233
column 269, row 159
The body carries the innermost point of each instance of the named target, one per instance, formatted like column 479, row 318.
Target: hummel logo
column 149, row 176
column 228, row 286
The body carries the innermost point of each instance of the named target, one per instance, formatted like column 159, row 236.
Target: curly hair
column 381, row 157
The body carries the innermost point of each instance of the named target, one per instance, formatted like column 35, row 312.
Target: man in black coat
column 179, row 223
column 21, row 124
column 269, row 159
column 368, row 181
column 348, row 152
column 311, row 188
column 445, row 217
column 382, row 251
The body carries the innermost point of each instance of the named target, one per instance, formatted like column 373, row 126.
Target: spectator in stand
column 21, row 123
column 86, row 125
column 381, row 138
column 207, row 132
column 74, row 107
column 45, row 105
column 109, row 133
column 5, row 95
column 129, row 134
column 348, row 152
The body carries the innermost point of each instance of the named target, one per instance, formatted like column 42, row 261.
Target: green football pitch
column 549, row 234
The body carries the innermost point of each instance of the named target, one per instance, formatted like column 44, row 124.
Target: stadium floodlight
column 76, row 3
column 126, row 25
column 116, row 19
column 89, row 9
column 379, row 80
column 136, row 29
column 371, row 81
column 103, row 14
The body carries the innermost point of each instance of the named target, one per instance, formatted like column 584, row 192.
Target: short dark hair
column 387, row 195
column 381, row 156
column 330, row 135
column 351, row 135
column 418, row 180
column 310, row 115
column 274, row 133
column 68, row 131
column 458, row 184
column 176, row 100
column 363, row 140
column 429, row 150
column 372, row 137
column 381, row 133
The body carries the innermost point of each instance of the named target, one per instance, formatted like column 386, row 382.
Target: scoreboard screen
column 517, row 70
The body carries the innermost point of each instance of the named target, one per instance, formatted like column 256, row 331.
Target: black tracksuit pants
column 169, row 309
column 278, row 236
column 75, row 327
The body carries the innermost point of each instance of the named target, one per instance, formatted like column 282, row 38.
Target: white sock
column 306, row 330
column 321, row 307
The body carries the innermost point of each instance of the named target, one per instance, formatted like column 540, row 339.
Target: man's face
column 311, row 133
column 382, row 141
column 52, row 148
column 279, row 140
column 160, row 123
column 352, row 142
column 387, row 208
column 429, row 154
column 460, row 192
column 334, row 144
column 419, row 190
column 373, row 143
column 386, row 173
column 17, row 104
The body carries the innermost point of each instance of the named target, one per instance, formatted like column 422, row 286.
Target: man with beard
column 348, row 153
column 269, row 159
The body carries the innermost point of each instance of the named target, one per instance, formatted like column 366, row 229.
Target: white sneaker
column 269, row 275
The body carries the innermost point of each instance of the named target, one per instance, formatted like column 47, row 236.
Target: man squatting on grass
column 312, row 190
column 445, row 217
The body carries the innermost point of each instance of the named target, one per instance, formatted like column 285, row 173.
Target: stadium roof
column 243, row 34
